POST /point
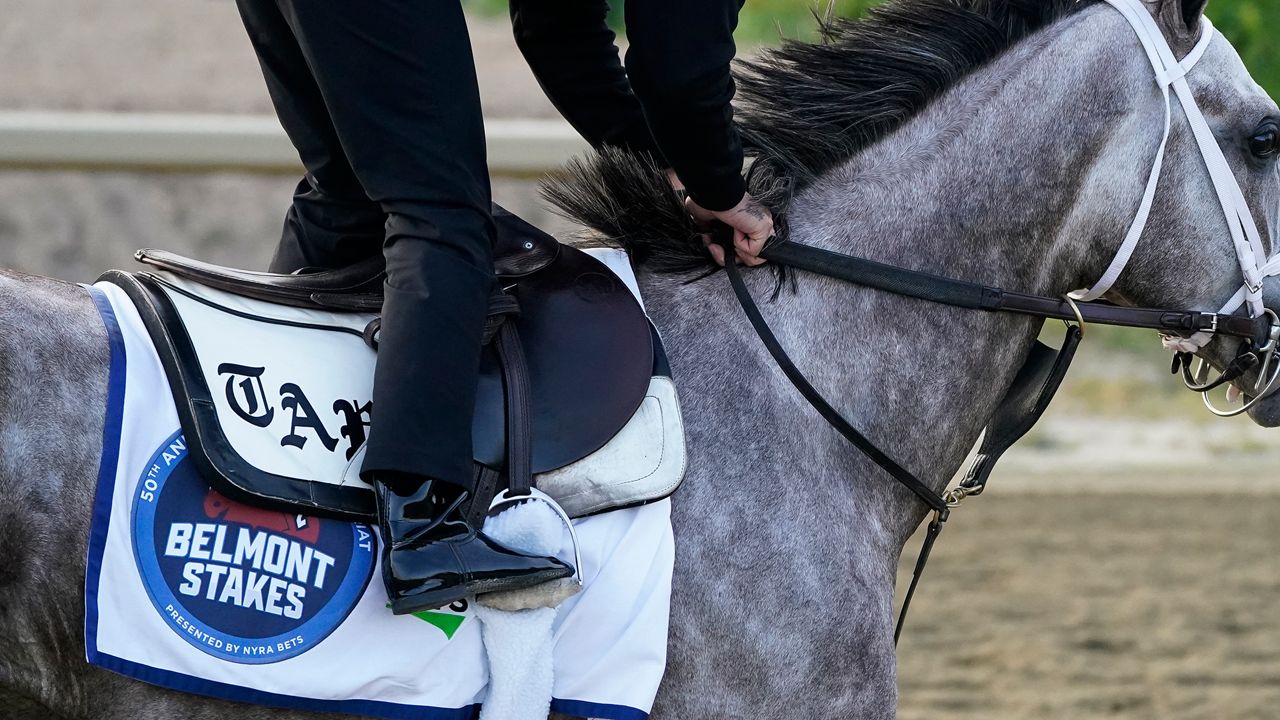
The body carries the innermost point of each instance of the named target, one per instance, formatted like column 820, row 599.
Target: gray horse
column 1001, row 141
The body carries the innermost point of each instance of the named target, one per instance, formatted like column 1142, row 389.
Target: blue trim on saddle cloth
column 210, row 688
column 583, row 709
column 111, row 423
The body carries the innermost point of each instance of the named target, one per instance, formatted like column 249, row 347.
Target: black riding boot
column 431, row 556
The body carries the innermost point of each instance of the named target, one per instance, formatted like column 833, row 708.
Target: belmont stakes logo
column 240, row 583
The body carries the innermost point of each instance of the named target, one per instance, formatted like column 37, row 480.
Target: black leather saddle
column 520, row 250
column 566, row 370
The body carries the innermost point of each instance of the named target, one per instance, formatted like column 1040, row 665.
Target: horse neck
column 984, row 186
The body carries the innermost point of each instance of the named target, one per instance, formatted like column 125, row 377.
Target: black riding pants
column 380, row 99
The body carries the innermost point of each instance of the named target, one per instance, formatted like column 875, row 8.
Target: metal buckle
column 957, row 494
column 1079, row 317
column 1254, row 289
column 1273, row 337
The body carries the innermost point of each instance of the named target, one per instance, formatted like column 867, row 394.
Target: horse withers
column 1006, row 143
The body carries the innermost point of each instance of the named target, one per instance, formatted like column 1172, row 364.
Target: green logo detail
column 447, row 623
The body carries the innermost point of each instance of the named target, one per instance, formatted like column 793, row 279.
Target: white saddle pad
column 189, row 590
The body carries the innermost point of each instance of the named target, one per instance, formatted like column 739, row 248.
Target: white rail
column 200, row 143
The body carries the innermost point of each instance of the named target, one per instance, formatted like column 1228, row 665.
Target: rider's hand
column 752, row 225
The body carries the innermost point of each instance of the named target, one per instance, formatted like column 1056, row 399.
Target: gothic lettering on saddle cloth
column 273, row 376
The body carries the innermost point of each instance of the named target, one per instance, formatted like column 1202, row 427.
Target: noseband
column 1185, row 330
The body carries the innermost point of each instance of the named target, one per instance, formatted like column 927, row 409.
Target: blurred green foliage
column 768, row 21
column 1252, row 26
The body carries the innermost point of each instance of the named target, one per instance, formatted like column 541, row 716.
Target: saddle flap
column 589, row 351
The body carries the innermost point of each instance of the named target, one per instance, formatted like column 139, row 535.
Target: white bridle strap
column 1170, row 72
column 1168, row 69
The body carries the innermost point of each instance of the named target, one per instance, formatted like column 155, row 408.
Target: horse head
column 1197, row 249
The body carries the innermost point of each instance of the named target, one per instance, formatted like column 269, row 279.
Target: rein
column 973, row 296
column 1185, row 330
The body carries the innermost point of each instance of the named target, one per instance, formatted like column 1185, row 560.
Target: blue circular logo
column 238, row 582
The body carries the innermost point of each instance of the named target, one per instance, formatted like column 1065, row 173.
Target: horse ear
column 1191, row 12
column 1180, row 21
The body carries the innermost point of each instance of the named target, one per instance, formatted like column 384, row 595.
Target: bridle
column 1255, row 265
column 1185, row 331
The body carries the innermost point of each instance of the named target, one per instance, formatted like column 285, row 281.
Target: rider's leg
column 332, row 222
column 399, row 88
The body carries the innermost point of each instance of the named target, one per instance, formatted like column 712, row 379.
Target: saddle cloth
column 277, row 398
column 190, row 590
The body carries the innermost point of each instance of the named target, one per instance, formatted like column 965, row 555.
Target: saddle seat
column 589, row 355
column 520, row 249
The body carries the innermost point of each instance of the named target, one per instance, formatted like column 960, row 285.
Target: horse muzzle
column 1249, row 370
column 1266, row 411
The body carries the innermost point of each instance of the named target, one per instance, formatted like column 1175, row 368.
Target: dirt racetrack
column 1071, row 607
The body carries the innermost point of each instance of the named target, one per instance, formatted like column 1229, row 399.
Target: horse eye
column 1266, row 143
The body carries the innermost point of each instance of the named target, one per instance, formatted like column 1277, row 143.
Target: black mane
column 805, row 107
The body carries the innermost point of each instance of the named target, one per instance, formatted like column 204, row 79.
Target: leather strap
column 488, row 485
column 930, row 537
column 515, row 378
column 1019, row 416
column 1016, row 416
column 819, row 403
column 500, row 329
column 1026, row 400
column 1238, row 367
column 974, row 296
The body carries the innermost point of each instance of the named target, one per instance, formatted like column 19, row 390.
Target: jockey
column 380, row 99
